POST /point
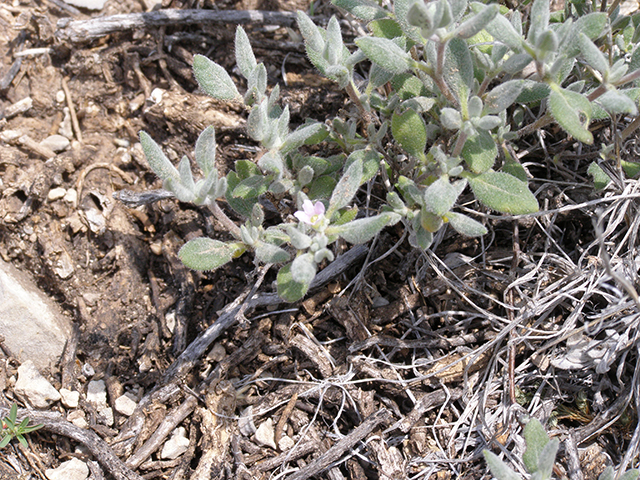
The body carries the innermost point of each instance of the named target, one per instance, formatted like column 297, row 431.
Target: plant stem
column 224, row 220
column 457, row 149
column 438, row 77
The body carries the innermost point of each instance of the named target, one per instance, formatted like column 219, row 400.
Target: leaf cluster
column 434, row 121
column 12, row 429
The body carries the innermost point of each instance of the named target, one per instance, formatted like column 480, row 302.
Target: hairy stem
column 224, row 220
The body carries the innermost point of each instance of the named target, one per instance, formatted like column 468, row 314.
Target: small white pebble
column 125, row 405
column 265, row 434
column 286, row 443
column 56, row 194
column 69, row 399
column 60, row 96
column 57, row 143
column 71, row 196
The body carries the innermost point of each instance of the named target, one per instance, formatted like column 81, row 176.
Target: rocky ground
column 402, row 365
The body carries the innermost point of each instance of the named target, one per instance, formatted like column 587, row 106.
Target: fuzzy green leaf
column 370, row 162
column 592, row 25
column 498, row 468
column 572, row 111
column 502, row 30
column 386, row 28
column 245, row 59
column 5, row 441
column 458, row 68
column 410, row 131
column 158, row 161
column 440, row 196
column 477, row 22
column 288, row 289
column 269, row 253
column 321, row 187
column 214, row 80
column 548, row 458
column 251, row 187
column 592, row 54
column 301, row 135
column 480, row 152
column 504, row 193
column 347, row 187
column 385, row 53
column 208, row 254
column 535, row 438
column 364, row 229
column 362, row 9
column 539, row 19
column 600, row 177
column 614, row 101
column 206, row 150
column 465, row 225
column 501, row 97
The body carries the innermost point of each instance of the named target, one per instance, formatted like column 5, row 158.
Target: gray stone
column 97, row 393
column 73, row 469
column 33, row 388
column 32, row 325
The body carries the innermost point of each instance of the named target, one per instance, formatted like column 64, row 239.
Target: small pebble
column 87, row 370
column 73, row 469
column 265, row 435
column 60, row 96
column 69, row 399
column 71, row 196
column 125, row 405
column 156, row 247
column 78, row 419
column 56, row 194
column 285, row 443
column 57, row 143
column 176, row 445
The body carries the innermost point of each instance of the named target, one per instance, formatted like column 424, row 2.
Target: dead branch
column 55, row 423
column 80, row 31
column 340, row 448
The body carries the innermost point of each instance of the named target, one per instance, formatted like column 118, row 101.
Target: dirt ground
column 401, row 368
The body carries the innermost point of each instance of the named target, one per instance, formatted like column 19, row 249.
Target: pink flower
column 310, row 213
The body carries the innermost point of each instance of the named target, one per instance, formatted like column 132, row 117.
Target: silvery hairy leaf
column 186, row 177
column 504, row 193
column 614, row 101
column 502, row 96
column 450, row 118
column 363, row 9
column 288, row 289
column 458, row 68
column 245, row 59
column 539, row 19
column 480, row 152
column 592, row 54
column 364, row 229
column 298, row 137
column 347, row 187
column 386, row 53
column 535, row 438
column 333, row 42
column 206, row 150
column 501, row 29
column 303, row 268
column 477, row 22
column 269, row 253
column 572, row 111
column 256, row 84
column 298, row 239
column 214, row 80
column 208, row 254
column 158, row 161
column 465, row 225
column 498, row 468
column 440, row 196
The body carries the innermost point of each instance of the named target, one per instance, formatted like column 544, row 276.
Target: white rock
column 57, row 143
column 56, row 194
column 265, row 434
column 71, row 196
column 69, row 399
column 32, row 325
column 73, row 469
column 60, row 96
column 286, row 443
column 8, row 136
column 125, row 405
column 88, row 4
column 176, row 445
column 78, row 419
column 97, row 394
column 33, row 387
